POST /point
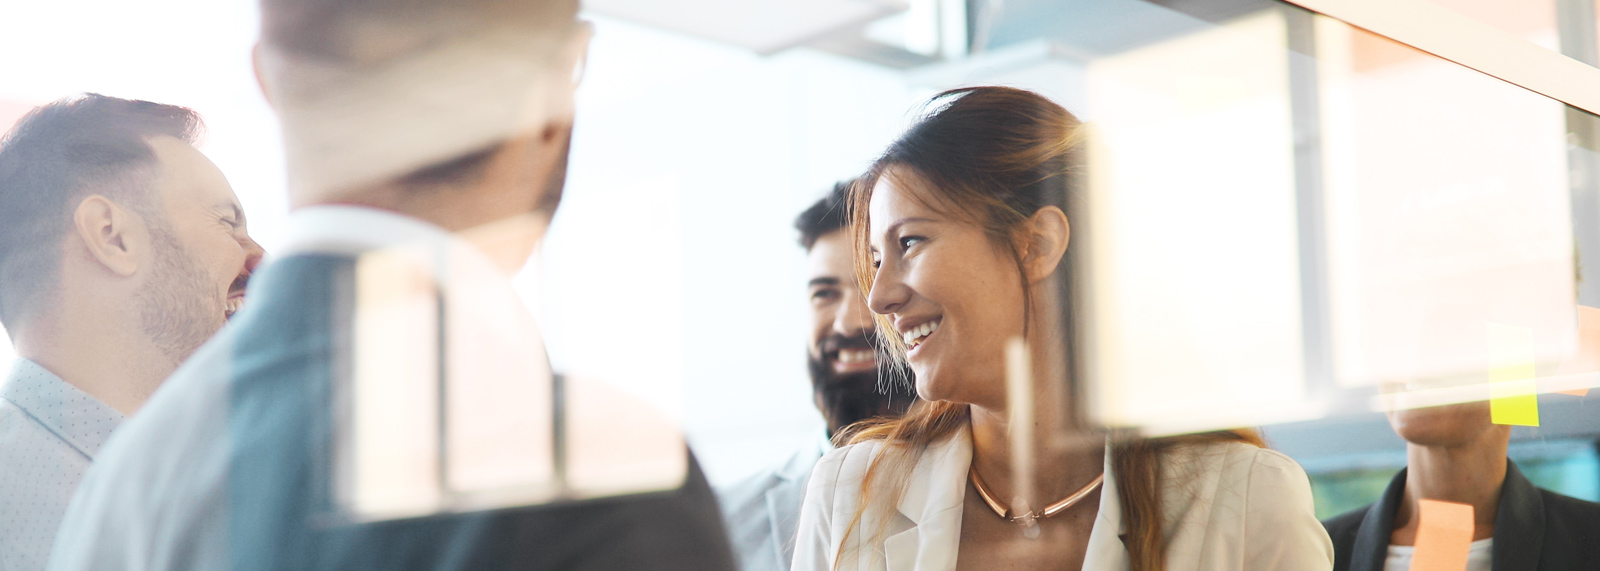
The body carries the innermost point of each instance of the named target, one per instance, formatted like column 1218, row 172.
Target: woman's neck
column 1056, row 470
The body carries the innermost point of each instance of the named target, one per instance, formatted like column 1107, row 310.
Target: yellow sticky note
column 1514, row 402
column 1444, row 536
column 1512, row 390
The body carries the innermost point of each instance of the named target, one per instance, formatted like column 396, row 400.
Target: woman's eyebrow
column 903, row 221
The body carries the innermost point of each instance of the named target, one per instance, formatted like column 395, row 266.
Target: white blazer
column 1228, row 506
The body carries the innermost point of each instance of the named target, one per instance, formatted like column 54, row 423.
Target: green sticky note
column 1514, row 402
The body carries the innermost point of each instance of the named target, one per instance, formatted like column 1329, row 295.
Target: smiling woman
column 961, row 235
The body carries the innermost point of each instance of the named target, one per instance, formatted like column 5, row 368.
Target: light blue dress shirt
column 49, row 432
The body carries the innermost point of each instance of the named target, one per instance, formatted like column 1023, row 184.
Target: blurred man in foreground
column 1454, row 453
column 122, row 249
column 762, row 511
column 384, row 402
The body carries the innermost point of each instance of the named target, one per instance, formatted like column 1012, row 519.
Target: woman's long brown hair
column 993, row 156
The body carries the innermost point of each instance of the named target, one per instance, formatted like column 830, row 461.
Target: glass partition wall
column 1298, row 215
column 1292, row 211
column 1293, row 215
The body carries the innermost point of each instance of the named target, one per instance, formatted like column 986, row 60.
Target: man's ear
column 112, row 235
column 1044, row 242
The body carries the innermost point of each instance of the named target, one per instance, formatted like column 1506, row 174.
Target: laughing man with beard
column 122, row 250
column 762, row 511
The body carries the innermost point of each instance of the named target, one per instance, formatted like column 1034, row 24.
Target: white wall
column 706, row 289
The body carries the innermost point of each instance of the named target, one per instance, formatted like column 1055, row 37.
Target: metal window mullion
column 442, row 386
column 1306, row 110
column 1575, row 22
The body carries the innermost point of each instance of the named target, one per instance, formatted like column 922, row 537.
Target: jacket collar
column 798, row 467
column 783, row 502
column 1518, row 525
column 1372, row 538
column 938, row 484
column 1106, row 550
column 932, row 502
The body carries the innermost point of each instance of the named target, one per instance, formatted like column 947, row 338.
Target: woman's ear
column 1044, row 243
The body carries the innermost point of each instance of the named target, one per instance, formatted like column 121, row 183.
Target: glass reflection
column 1267, row 222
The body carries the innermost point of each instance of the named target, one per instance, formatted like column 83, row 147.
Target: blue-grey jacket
column 762, row 511
column 230, row 467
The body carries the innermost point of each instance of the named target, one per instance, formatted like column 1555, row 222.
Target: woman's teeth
column 853, row 356
column 232, row 306
column 921, row 332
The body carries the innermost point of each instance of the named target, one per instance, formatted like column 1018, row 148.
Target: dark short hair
column 55, row 156
column 828, row 215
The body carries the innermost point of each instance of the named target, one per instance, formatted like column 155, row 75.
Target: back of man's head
column 53, row 158
column 371, row 90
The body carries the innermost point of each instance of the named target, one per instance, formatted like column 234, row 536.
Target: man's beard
column 853, row 397
column 178, row 308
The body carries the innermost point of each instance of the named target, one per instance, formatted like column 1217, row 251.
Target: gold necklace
column 1029, row 520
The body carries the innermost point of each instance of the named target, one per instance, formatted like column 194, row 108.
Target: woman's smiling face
column 951, row 294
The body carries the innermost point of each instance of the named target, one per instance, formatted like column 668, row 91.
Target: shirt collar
column 350, row 230
column 78, row 419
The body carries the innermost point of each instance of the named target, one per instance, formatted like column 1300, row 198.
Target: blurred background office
column 704, row 126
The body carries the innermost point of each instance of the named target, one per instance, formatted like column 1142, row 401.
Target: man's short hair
column 419, row 92
column 363, row 33
column 826, row 216
column 52, row 159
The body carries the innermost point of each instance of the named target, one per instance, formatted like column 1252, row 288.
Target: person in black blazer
column 1454, row 453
